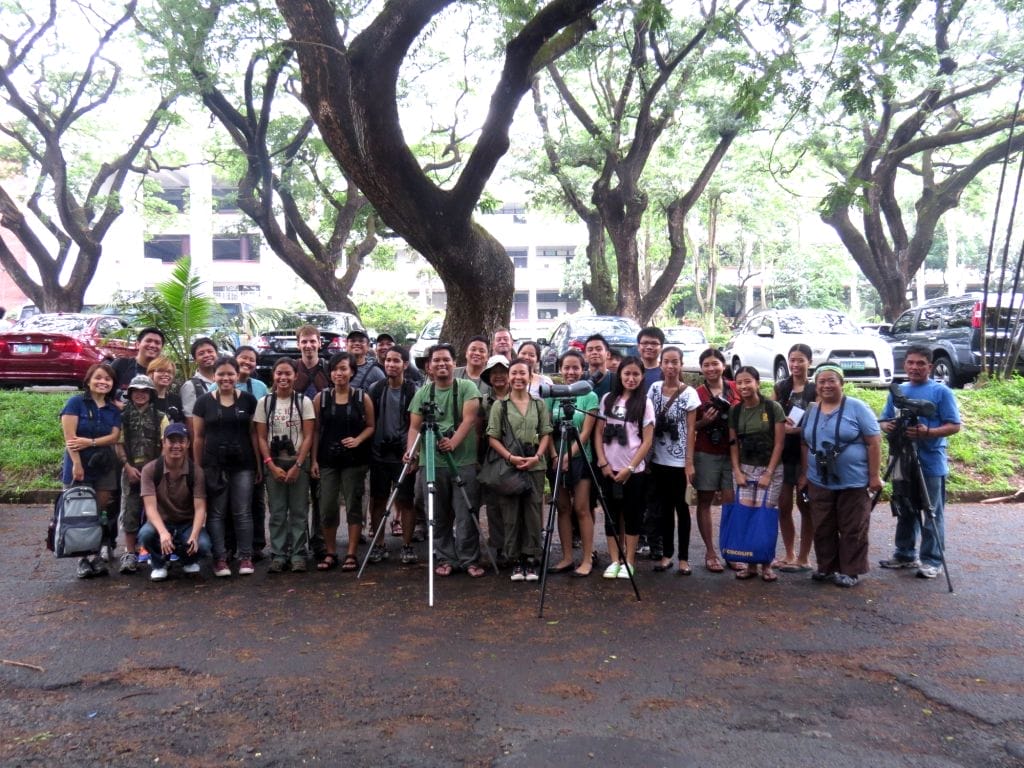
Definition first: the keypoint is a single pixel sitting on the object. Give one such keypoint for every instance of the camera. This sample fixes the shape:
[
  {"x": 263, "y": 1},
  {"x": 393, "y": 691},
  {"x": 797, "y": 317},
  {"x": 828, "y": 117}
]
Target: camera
[
  {"x": 910, "y": 410},
  {"x": 337, "y": 453},
  {"x": 720, "y": 404},
  {"x": 666, "y": 427},
  {"x": 281, "y": 444},
  {"x": 615, "y": 432},
  {"x": 447, "y": 433}
]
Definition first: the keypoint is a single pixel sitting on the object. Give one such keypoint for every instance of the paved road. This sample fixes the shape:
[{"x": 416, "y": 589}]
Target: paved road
[{"x": 705, "y": 671}]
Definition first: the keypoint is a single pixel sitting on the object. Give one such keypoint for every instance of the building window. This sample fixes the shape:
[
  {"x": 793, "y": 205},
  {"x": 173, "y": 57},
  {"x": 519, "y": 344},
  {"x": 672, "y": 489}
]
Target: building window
[
  {"x": 521, "y": 305},
  {"x": 166, "y": 248},
  {"x": 547, "y": 314},
  {"x": 558, "y": 251},
  {"x": 235, "y": 249},
  {"x": 225, "y": 200},
  {"x": 513, "y": 208},
  {"x": 518, "y": 256},
  {"x": 173, "y": 196},
  {"x": 549, "y": 297}
]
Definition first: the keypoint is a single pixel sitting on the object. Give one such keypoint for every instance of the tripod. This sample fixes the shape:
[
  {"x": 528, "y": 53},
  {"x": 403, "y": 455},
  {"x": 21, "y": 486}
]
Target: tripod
[
  {"x": 910, "y": 496},
  {"x": 568, "y": 435},
  {"x": 428, "y": 435}
]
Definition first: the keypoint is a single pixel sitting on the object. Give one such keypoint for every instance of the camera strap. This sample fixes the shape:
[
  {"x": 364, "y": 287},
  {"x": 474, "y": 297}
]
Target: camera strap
[
  {"x": 518, "y": 444},
  {"x": 839, "y": 420},
  {"x": 665, "y": 409},
  {"x": 456, "y": 411}
]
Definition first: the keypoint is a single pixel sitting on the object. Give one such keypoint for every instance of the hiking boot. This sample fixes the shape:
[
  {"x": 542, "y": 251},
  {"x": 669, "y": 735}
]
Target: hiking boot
[
  {"x": 84, "y": 569},
  {"x": 408, "y": 556},
  {"x": 378, "y": 553},
  {"x": 106, "y": 553},
  {"x": 895, "y": 562},
  {"x": 99, "y": 568},
  {"x": 842, "y": 580},
  {"x": 129, "y": 563}
]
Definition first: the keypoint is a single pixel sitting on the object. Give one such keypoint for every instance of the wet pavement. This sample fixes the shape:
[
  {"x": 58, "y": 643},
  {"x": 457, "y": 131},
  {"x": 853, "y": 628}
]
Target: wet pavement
[{"x": 706, "y": 671}]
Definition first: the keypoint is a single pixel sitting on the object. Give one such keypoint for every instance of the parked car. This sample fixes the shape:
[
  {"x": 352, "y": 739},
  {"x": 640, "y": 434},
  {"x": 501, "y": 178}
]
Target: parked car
[
  {"x": 951, "y": 328},
  {"x": 691, "y": 341},
  {"x": 428, "y": 336},
  {"x": 334, "y": 329},
  {"x": 765, "y": 339},
  {"x": 572, "y": 333},
  {"x": 58, "y": 348}
]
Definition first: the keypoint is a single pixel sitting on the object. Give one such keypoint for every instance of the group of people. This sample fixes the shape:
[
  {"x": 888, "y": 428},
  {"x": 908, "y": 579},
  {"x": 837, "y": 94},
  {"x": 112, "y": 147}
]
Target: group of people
[{"x": 209, "y": 467}]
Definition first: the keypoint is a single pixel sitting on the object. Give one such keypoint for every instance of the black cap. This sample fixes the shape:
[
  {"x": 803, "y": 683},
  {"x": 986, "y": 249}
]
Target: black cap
[
  {"x": 357, "y": 333},
  {"x": 382, "y": 336}
]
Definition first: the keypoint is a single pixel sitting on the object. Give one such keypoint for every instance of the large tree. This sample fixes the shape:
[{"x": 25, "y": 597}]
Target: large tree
[
  {"x": 607, "y": 112},
  {"x": 69, "y": 108},
  {"x": 351, "y": 89},
  {"x": 313, "y": 217},
  {"x": 920, "y": 104}
]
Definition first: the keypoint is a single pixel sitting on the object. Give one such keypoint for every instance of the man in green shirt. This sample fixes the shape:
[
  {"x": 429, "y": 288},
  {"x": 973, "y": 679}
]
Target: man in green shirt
[{"x": 457, "y": 403}]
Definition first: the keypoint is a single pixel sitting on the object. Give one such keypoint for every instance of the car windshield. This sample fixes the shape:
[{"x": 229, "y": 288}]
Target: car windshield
[
  {"x": 325, "y": 321},
  {"x": 684, "y": 336},
  {"x": 817, "y": 322},
  {"x": 52, "y": 324},
  {"x": 608, "y": 326},
  {"x": 433, "y": 329}
]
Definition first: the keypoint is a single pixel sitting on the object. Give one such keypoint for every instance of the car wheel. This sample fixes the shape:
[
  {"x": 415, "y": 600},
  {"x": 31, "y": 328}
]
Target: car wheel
[
  {"x": 942, "y": 370},
  {"x": 781, "y": 370}
]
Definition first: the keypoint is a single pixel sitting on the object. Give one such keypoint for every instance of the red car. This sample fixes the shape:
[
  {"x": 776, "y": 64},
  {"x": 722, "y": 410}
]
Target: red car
[{"x": 59, "y": 348}]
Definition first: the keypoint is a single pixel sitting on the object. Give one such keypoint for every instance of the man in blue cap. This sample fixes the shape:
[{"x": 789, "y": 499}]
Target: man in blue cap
[{"x": 173, "y": 492}]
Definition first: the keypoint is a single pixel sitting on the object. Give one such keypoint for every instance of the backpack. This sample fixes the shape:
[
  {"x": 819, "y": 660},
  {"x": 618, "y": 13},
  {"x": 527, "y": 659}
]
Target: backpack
[{"x": 77, "y": 525}]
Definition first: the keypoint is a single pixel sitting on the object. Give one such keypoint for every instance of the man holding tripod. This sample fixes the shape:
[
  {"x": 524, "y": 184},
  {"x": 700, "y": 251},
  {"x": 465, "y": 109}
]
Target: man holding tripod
[
  {"x": 929, "y": 435},
  {"x": 453, "y": 405}
]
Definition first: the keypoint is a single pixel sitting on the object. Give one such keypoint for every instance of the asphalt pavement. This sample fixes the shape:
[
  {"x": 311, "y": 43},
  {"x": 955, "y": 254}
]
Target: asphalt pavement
[{"x": 708, "y": 671}]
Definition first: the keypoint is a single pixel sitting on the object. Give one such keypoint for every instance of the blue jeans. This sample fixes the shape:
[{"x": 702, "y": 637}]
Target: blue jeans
[
  {"x": 149, "y": 537},
  {"x": 933, "y": 540},
  {"x": 234, "y": 499}
]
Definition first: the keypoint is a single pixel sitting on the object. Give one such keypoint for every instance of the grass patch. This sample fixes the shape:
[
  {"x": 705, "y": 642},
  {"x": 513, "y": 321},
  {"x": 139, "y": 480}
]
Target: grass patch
[{"x": 984, "y": 456}]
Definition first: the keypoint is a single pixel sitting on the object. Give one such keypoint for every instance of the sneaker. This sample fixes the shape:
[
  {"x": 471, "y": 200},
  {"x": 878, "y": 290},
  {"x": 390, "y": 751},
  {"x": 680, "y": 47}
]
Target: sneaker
[
  {"x": 245, "y": 568},
  {"x": 158, "y": 574},
  {"x": 612, "y": 571},
  {"x": 277, "y": 565},
  {"x": 106, "y": 554},
  {"x": 192, "y": 568},
  {"x": 643, "y": 549},
  {"x": 143, "y": 555},
  {"x": 419, "y": 533},
  {"x": 220, "y": 568},
  {"x": 299, "y": 566},
  {"x": 408, "y": 556},
  {"x": 129, "y": 563},
  {"x": 819, "y": 576},
  {"x": 929, "y": 571},
  {"x": 895, "y": 562},
  {"x": 531, "y": 572},
  {"x": 99, "y": 568},
  {"x": 518, "y": 574},
  {"x": 378, "y": 553},
  {"x": 842, "y": 580},
  {"x": 84, "y": 569},
  {"x": 625, "y": 571}
]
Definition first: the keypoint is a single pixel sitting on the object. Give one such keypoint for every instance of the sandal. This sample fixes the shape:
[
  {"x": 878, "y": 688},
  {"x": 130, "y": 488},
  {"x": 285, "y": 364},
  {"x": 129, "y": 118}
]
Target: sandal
[
  {"x": 769, "y": 575},
  {"x": 475, "y": 571},
  {"x": 713, "y": 564},
  {"x": 443, "y": 570},
  {"x": 350, "y": 563},
  {"x": 746, "y": 573},
  {"x": 329, "y": 563}
]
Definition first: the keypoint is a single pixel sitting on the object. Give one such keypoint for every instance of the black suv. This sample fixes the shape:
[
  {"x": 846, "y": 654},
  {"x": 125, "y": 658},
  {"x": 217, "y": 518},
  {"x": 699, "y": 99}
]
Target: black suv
[{"x": 951, "y": 328}]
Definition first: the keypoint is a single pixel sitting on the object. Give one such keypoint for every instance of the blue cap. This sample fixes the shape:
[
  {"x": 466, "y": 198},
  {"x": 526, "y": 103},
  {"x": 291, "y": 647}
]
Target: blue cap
[{"x": 174, "y": 430}]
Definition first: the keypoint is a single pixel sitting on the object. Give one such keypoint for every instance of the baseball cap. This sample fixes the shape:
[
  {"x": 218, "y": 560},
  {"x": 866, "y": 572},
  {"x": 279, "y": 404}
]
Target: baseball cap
[
  {"x": 387, "y": 336},
  {"x": 357, "y": 333},
  {"x": 175, "y": 430}
]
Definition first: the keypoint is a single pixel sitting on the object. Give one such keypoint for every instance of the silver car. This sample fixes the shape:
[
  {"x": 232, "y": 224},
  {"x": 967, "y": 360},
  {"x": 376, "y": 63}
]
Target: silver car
[{"x": 765, "y": 339}]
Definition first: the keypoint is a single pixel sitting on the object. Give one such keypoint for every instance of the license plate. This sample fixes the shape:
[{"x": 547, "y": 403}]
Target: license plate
[
  {"x": 852, "y": 365},
  {"x": 27, "y": 349}
]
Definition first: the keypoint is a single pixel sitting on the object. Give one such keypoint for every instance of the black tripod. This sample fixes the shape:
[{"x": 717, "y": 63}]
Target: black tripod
[
  {"x": 428, "y": 434},
  {"x": 568, "y": 435},
  {"x": 910, "y": 497}
]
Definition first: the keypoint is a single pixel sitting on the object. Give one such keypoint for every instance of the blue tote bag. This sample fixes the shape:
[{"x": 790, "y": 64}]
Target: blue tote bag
[{"x": 749, "y": 532}]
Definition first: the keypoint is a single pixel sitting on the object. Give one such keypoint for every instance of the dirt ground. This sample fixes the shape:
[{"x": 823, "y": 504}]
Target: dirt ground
[{"x": 704, "y": 671}]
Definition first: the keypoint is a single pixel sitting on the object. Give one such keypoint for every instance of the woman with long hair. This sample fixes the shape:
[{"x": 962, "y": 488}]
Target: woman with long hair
[
  {"x": 341, "y": 459},
  {"x": 284, "y": 431},
  {"x": 574, "y": 492},
  {"x": 91, "y": 424},
  {"x": 757, "y": 430},
  {"x": 530, "y": 352},
  {"x": 712, "y": 469},
  {"x": 624, "y": 440},
  {"x": 795, "y": 391},
  {"x": 224, "y": 445},
  {"x": 519, "y": 429},
  {"x": 675, "y": 414}
]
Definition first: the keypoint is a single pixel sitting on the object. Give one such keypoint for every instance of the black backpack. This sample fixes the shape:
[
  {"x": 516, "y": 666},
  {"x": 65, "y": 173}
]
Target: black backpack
[{"x": 77, "y": 525}]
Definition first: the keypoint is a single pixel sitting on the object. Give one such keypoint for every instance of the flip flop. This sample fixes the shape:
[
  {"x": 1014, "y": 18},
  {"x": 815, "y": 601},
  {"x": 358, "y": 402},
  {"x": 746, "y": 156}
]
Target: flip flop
[
  {"x": 746, "y": 573},
  {"x": 684, "y": 571},
  {"x": 769, "y": 575},
  {"x": 563, "y": 569},
  {"x": 713, "y": 564},
  {"x": 794, "y": 568}
]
